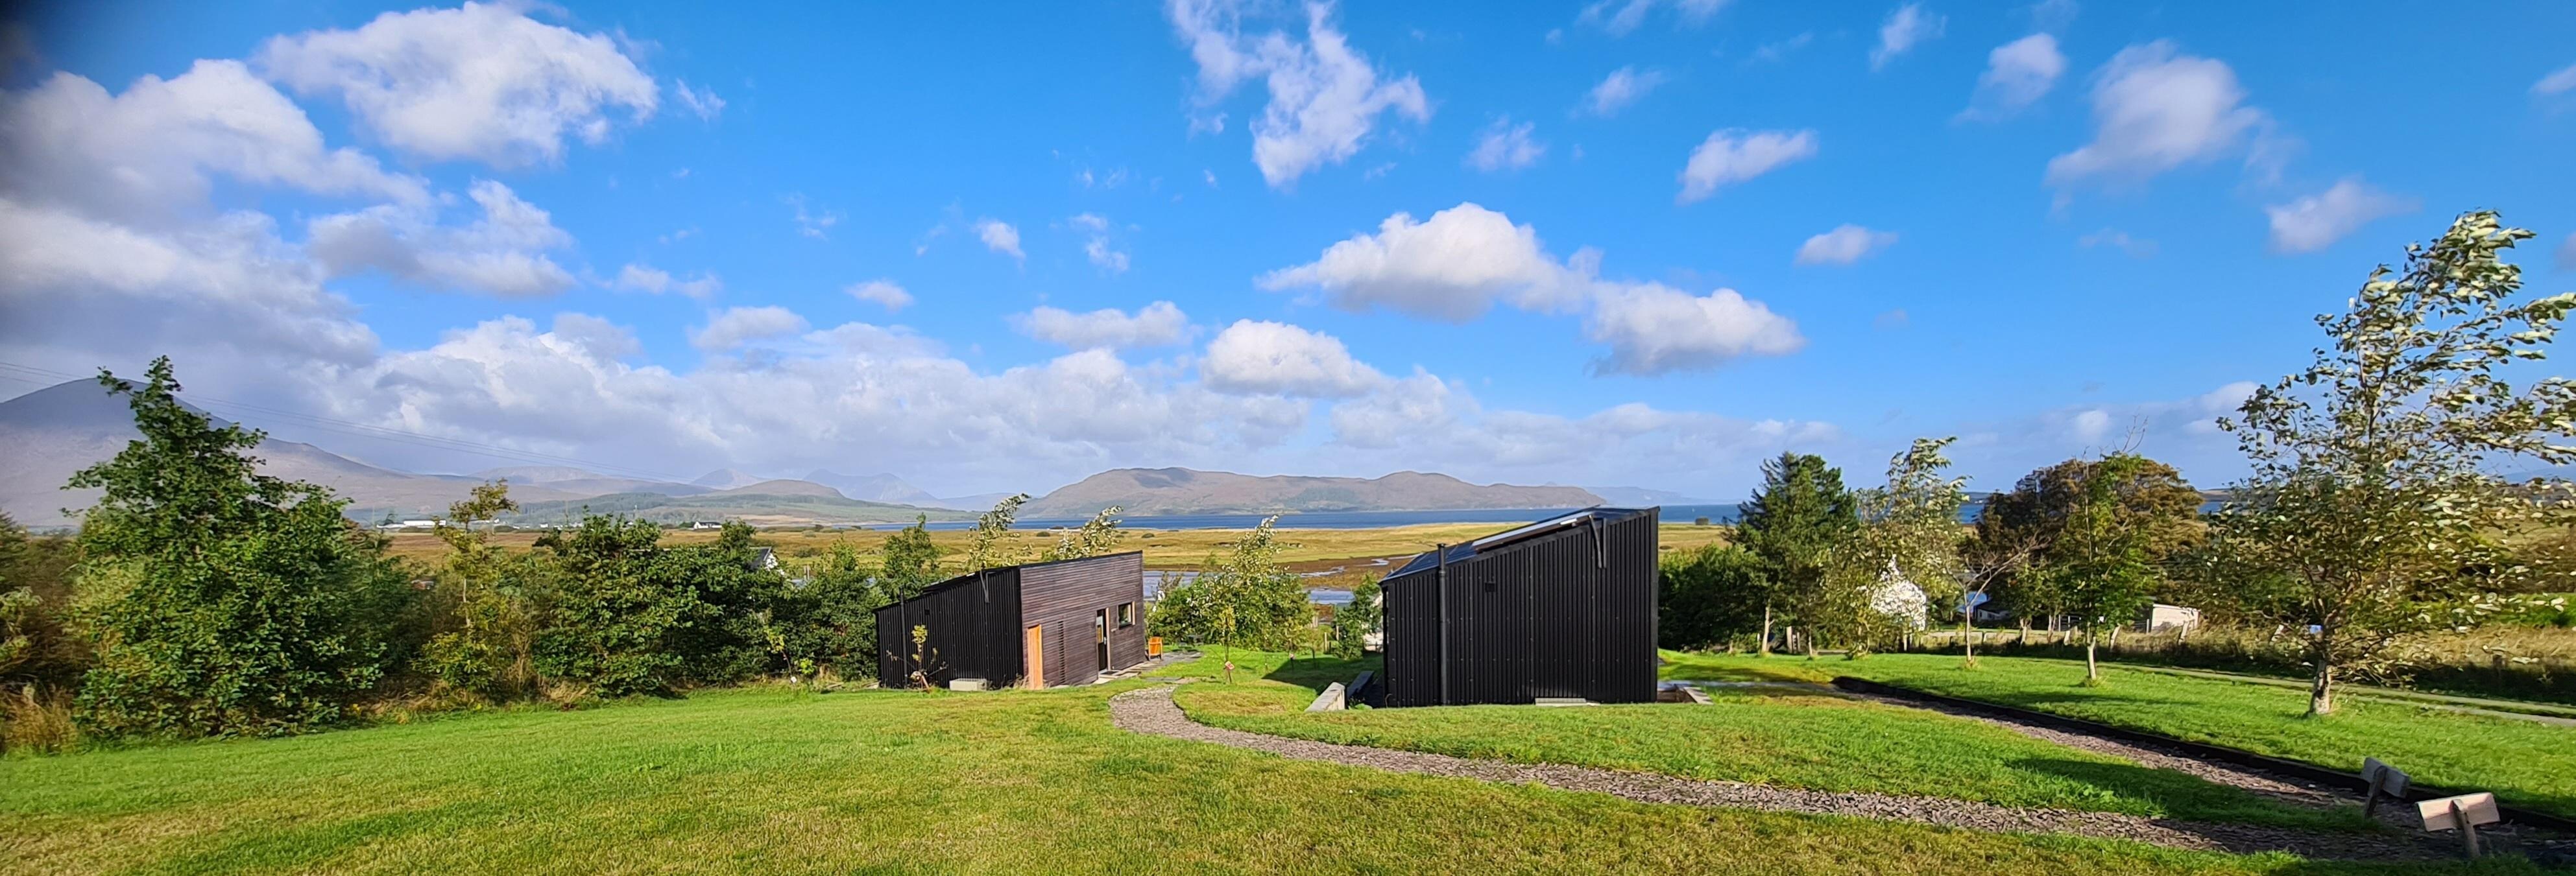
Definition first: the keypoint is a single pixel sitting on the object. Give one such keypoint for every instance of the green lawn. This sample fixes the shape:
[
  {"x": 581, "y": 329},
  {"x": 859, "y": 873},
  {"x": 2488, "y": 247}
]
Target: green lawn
[
  {"x": 1792, "y": 739},
  {"x": 905, "y": 782},
  {"x": 2523, "y": 762}
]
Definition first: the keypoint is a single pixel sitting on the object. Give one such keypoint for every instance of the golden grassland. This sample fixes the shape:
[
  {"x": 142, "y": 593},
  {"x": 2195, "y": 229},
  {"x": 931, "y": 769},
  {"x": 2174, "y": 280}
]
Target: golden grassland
[{"x": 1305, "y": 550}]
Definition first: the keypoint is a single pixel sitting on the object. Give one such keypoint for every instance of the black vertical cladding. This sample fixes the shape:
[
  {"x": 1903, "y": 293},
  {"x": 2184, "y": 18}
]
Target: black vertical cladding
[
  {"x": 1566, "y": 612},
  {"x": 974, "y": 625}
]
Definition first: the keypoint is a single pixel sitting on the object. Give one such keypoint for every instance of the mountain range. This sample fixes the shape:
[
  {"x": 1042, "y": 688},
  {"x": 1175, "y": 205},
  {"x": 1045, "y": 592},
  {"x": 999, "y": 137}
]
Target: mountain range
[{"x": 56, "y": 431}]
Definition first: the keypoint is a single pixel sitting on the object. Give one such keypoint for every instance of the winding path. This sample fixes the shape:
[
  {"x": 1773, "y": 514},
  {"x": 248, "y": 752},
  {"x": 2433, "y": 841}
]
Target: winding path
[{"x": 1151, "y": 711}]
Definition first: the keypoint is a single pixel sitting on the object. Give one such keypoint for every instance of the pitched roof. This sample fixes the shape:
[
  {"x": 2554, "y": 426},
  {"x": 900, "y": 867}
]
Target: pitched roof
[{"x": 1524, "y": 532}]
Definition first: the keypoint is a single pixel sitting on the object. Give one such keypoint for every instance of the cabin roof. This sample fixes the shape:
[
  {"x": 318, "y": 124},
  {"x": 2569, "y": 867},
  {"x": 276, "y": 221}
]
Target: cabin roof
[{"x": 1462, "y": 551}]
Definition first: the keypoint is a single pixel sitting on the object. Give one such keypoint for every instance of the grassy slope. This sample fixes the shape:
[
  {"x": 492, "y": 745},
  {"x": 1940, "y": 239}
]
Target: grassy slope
[
  {"x": 2522, "y": 762},
  {"x": 1791, "y": 739},
  {"x": 900, "y": 782}
]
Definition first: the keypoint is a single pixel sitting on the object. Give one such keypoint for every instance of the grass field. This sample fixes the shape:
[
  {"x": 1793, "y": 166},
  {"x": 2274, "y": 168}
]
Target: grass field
[
  {"x": 900, "y": 782},
  {"x": 2525, "y": 763},
  {"x": 1791, "y": 739},
  {"x": 1307, "y": 549}
]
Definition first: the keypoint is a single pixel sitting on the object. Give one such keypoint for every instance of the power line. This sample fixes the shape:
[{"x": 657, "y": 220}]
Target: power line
[{"x": 364, "y": 430}]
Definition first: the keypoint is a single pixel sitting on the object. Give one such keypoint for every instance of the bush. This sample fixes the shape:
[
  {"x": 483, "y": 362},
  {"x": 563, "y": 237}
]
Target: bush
[{"x": 1708, "y": 595}]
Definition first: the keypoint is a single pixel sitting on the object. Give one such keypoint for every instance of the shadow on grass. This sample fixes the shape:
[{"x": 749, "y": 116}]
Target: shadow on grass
[
  {"x": 1314, "y": 673},
  {"x": 2185, "y": 797}
]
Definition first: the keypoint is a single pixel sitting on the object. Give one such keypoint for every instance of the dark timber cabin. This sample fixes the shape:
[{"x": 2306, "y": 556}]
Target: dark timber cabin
[
  {"x": 1039, "y": 624},
  {"x": 1559, "y": 609}
]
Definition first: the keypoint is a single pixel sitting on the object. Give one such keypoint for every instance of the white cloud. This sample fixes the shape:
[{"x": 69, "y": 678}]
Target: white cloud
[
  {"x": 2091, "y": 425},
  {"x": 816, "y": 224},
  {"x": 2017, "y": 75},
  {"x": 2155, "y": 110},
  {"x": 2316, "y": 221},
  {"x": 2053, "y": 15},
  {"x": 1904, "y": 29},
  {"x": 1734, "y": 155},
  {"x": 482, "y": 81},
  {"x": 881, "y": 291},
  {"x": 1325, "y": 97},
  {"x": 2559, "y": 82},
  {"x": 149, "y": 154},
  {"x": 1000, "y": 237},
  {"x": 1451, "y": 267},
  {"x": 1774, "y": 52},
  {"x": 1622, "y": 17},
  {"x": 1843, "y": 245},
  {"x": 1654, "y": 329},
  {"x": 1152, "y": 325},
  {"x": 1275, "y": 358},
  {"x": 1618, "y": 90},
  {"x": 2120, "y": 240},
  {"x": 1505, "y": 146},
  {"x": 503, "y": 253},
  {"x": 702, "y": 101},
  {"x": 1096, "y": 246},
  {"x": 741, "y": 325},
  {"x": 646, "y": 278}
]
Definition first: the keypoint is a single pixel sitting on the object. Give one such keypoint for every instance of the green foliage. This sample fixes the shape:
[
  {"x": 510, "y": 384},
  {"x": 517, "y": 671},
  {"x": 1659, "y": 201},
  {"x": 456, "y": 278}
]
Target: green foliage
[
  {"x": 2368, "y": 515},
  {"x": 2101, "y": 565},
  {"x": 1354, "y": 623},
  {"x": 240, "y": 603},
  {"x": 2017, "y": 528},
  {"x": 1909, "y": 530},
  {"x": 487, "y": 604},
  {"x": 1707, "y": 596},
  {"x": 633, "y": 617},
  {"x": 1097, "y": 536},
  {"x": 985, "y": 548},
  {"x": 1243, "y": 598},
  {"x": 1791, "y": 524},
  {"x": 38, "y": 647},
  {"x": 831, "y": 618},
  {"x": 911, "y": 561}
]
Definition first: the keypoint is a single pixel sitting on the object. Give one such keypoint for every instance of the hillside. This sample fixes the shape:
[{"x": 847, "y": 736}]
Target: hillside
[
  {"x": 809, "y": 506},
  {"x": 1143, "y": 491},
  {"x": 880, "y": 487}
]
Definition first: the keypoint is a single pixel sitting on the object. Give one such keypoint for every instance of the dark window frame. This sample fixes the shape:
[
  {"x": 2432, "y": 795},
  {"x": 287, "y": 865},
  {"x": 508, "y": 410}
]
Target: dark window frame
[{"x": 1126, "y": 615}]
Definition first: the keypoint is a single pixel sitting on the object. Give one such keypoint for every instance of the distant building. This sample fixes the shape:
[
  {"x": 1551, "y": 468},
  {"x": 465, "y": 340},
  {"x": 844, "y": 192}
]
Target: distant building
[
  {"x": 706, "y": 524},
  {"x": 2159, "y": 617},
  {"x": 409, "y": 524},
  {"x": 1033, "y": 625},
  {"x": 1563, "y": 608}
]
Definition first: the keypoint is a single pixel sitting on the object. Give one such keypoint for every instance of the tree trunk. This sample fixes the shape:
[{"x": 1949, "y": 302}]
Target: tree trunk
[
  {"x": 2025, "y": 632},
  {"x": 2092, "y": 670},
  {"x": 2321, "y": 689},
  {"x": 1968, "y": 634},
  {"x": 1766, "y": 628}
]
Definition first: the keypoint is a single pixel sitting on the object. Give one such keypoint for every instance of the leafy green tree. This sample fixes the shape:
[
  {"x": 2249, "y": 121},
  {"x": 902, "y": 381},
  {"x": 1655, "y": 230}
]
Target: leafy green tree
[
  {"x": 488, "y": 596},
  {"x": 911, "y": 562},
  {"x": 831, "y": 619},
  {"x": 1790, "y": 524},
  {"x": 985, "y": 548},
  {"x": 1909, "y": 530},
  {"x": 38, "y": 648},
  {"x": 227, "y": 602},
  {"x": 1096, "y": 537},
  {"x": 614, "y": 615},
  {"x": 1707, "y": 595},
  {"x": 2009, "y": 554},
  {"x": 1354, "y": 623},
  {"x": 1244, "y": 597},
  {"x": 2102, "y": 561},
  {"x": 2368, "y": 516}
]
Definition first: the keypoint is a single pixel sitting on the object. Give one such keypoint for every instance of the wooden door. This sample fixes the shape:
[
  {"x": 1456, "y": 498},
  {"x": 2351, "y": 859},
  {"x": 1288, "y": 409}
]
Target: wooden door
[
  {"x": 1035, "y": 649},
  {"x": 1100, "y": 637}
]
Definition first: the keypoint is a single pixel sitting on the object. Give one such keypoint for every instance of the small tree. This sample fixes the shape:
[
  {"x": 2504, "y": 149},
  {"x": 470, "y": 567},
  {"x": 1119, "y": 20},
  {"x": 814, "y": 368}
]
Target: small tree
[
  {"x": 1354, "y": 623},
  {"x": 1790, "y": 524},
  {"x": 2015, "y": 532},
  {"x": 487, "y": 596},
  {"x": 925, "y": 659},
  {"x": 1097, "y": 536},
  {"x": 911, "y": 561},
  {"x": 1909, "y": 530},
  {"x": 1244, "y": 597},
  {"x": 2368, "y": 516},
  {"x": 2102, "y": 561},
  {"x": 1706, "y": 595},
  {"x": 985, "y": 548}
]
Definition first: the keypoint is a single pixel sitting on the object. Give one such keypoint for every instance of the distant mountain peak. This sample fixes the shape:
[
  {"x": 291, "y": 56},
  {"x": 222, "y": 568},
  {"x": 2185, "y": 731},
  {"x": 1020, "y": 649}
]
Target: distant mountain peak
[{"x": 726, "y": 479}]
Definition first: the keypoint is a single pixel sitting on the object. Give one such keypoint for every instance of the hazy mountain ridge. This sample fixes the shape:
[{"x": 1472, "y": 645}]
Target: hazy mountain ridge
[{"x": 1145, "y": 492}]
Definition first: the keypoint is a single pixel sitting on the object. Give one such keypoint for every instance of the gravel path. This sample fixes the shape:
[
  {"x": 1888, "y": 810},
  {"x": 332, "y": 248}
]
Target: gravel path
[{"x": 1152, "y": 711}]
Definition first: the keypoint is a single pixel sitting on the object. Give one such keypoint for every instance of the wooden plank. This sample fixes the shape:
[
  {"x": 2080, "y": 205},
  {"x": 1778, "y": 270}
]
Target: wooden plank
[
  {"x": 1036, "y": 650},
  {"x": 2478, "y": 808}
]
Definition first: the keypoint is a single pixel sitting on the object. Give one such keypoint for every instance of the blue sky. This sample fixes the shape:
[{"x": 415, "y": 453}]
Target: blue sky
[{"x": 1647, "y": 244}]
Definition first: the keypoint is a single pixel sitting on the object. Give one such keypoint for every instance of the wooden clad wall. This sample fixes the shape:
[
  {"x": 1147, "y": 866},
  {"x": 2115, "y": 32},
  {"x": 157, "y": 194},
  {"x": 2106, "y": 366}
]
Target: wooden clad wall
[{"x": 1065, "y": 596}]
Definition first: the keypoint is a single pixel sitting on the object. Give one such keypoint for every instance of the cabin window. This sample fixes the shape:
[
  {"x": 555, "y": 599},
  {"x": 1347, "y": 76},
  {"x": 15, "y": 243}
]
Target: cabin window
[{"x": 1126, "y": 614}]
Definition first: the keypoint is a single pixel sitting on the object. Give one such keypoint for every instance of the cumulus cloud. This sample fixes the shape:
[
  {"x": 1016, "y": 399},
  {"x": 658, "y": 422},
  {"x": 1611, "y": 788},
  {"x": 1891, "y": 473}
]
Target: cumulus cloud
[
  {"x": 1733, "y": 155},
  {"x": 1451, "y": 267},
  {"x": 637, "y": 277},
  {"x": 503, "y": 253},
  {"x": 2156, "y": 109},
  {"x": 150, "y": 154},
  {"x": 2316, "y": 221},
  {"x": 1654, "y": 329},
  {"x": 482, "y": 82},
  {"x": 1618, "y": 90},
  {"x": 1325, "y": 97},
  {"x": 1158, "y": 324},
  {"x": 741, "y": 325},
  {"x": 2017, "y": 75},
  {"x": 1843, "y": 245},
  {"x": 1000, "y": 237},
  {"x": 1505, "y": 146},
  {"x": 701, "y": 101},
  {"x": 1622, "y": 17},
  {"x": 881, "y": 291},
  {"x": 1275, "y": 358},
  {"x": 1904, "y": 29}
]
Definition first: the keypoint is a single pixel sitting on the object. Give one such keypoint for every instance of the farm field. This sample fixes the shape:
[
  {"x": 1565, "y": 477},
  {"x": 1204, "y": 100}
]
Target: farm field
[
  {"x": 2523, "y": 762},
  {"x": 1305, "y": 549},
  {"x": 769, "y": 779},
  {"x": 1792, "y": 739}
]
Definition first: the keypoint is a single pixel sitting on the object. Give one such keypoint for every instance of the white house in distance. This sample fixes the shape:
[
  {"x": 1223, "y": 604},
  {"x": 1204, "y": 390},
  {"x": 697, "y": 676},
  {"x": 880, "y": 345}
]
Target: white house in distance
[{"x": 2159, "y": 617}]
